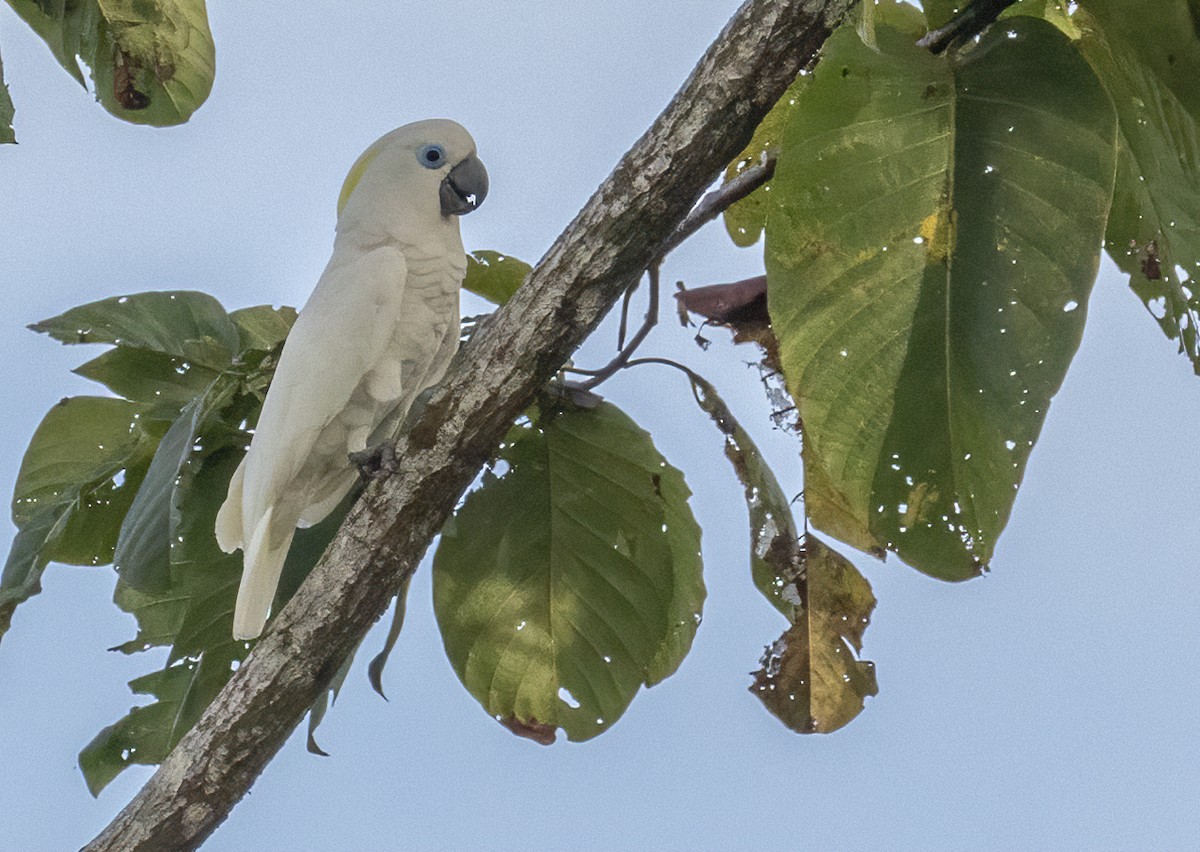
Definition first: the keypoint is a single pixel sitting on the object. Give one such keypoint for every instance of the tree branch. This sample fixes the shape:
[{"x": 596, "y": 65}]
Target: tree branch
[{"x": 619, "y": 232}]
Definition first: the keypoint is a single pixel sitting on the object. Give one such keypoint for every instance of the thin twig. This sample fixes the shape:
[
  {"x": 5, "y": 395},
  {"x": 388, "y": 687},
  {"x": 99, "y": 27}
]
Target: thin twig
[
  {"x": 964, "y": 26},
  {"x": 625, "y": 314},
  {"x": 651, "y": 320},
  {"x": 719, "y": 200},
  {"x": 709, "y": 207}
]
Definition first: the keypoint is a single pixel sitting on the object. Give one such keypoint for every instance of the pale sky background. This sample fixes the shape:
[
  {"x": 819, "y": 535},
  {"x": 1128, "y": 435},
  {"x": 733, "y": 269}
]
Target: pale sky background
[{"x": 1050, "y": 705}]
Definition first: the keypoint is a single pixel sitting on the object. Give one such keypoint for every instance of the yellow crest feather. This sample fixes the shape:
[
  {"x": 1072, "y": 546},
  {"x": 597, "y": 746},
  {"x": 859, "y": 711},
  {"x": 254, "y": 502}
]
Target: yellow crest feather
[{"x": 355, "y": 175}]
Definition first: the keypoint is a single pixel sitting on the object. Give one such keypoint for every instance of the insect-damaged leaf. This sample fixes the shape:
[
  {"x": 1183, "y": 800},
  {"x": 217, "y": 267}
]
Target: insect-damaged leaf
[
  {"x": 79, "y": 474},
  {"x": 773, "y": 533},
  {"x": 929, "y": 261},
  {"x": 189, "y": 325},
  {"x": 744, "y": 220},
  {"x": 812, "y": 679},
  {"x": 152, "y": 61},
  {"x": 573, "y": 578},
  {"x": 1149, "y": 60}
]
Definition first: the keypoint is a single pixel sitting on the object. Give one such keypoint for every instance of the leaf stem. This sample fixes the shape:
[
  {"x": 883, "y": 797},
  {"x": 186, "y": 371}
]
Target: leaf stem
[{"x": 964, "y": 26}]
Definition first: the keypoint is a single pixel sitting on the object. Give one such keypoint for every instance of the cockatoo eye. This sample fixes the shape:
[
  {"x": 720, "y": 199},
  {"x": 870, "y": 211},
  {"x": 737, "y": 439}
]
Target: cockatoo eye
[{"x": 432, "y": 156}]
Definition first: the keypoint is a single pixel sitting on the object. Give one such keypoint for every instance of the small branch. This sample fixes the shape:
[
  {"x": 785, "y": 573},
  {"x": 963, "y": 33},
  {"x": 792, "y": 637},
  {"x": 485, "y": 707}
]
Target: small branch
[
  {"x": 651, "y": 320},
  {"x": 964, "y": 26},
  {"x": 625, "y": 315},
  {"x": 719, "y": 200}
]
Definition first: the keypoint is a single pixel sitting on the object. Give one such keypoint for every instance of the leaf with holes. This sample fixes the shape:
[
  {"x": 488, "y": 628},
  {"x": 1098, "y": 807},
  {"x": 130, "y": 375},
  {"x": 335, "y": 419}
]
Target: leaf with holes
[
  {"x": 79, "y": 473},
  {"x": 182, "y": 323},
  {"x": 744, "y": 220},
  {"x": 1149, "y": 62},
  {"x": 773, "y": 533},
  {"x": 152, "y": 61},
  {"x": 811, "y": 678},
  {"x": 572, "y": 579},
  {"x": 929, "y": 265}
]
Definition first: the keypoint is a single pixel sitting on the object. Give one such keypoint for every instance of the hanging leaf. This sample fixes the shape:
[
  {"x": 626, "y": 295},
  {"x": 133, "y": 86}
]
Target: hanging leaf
[
  {"x": 811, "y": 678},
  {"x": 152, "y": 61},
  {"x": 379, "y": 661},
  {"x": 82, "y": 466},
  {"x": 773, "y": 534},
  {"x": 494, "y": 276},
  {"x": 149, "y": 534},
  {"x": 929, "y": 265},
  {"x": 1149, "y": 61},
  {"x": 568, "y": 581}
]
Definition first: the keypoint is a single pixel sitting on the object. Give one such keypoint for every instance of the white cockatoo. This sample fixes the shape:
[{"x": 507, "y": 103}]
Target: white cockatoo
[{"x": 380, "y": 327}]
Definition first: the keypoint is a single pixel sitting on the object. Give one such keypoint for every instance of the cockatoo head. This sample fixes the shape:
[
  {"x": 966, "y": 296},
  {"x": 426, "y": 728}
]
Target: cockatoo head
[{"x": 428, "y": 169}]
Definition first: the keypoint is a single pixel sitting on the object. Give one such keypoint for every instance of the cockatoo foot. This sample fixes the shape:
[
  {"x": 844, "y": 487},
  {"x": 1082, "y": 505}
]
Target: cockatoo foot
[{"x": 376, "y": 461}]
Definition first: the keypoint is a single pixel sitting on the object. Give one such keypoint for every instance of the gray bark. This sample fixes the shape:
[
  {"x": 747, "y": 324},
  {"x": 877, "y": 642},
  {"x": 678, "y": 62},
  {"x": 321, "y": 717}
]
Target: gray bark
[{"x": 606, "y": 248}]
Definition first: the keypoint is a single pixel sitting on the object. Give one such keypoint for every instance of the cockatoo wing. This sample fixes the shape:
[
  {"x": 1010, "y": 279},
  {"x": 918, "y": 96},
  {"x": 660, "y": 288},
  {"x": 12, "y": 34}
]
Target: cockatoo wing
[{"x": 318, "y": 396}]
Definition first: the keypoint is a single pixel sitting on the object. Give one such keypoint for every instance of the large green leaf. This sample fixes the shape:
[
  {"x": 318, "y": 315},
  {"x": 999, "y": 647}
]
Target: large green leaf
[
  {"x": 80, "y": 471},
  {"x": 152, "y": 61},
  {"x": 558, "y": 583},
  {"x": 812, "y": 679},
  {"x": 1150, "y": 62},
  {"x": 929, "y": 260},
  {"x": 189, "y": 325},
  {"x": 6, "y": 111}
]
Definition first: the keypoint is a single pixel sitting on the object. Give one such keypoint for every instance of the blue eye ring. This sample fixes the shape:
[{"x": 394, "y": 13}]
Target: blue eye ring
[{"x": 431, "y": 156}]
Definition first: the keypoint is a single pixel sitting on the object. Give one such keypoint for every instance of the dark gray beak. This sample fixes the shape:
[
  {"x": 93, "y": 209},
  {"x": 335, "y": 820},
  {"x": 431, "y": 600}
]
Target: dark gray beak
[{"x": 464, "y": 188}]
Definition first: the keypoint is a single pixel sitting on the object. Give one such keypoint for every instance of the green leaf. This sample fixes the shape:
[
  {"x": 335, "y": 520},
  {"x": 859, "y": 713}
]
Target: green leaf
[
  {"x": 194, "y": 615},
  {"x": 183, "y": 323},
  {"x": 494, "y": 276},
  {"x": 167, "y": 382},
  {"x": 1149, "y": 62},
  {"x": 263, "y": 327},
  {"x": 152, "y": 61},
  {"x": 773, "y": 534},
  {"x": 811, "y": 678},
  {"x": 149, "y": 535},
  {"x": 745, "y": 219},
  {"x": 327, "y": 698},
  {"x": 379, "y": 661},
  {"x": 557, "y": 587},
  {"x": 6, "y": 111},
  {"x": 148, "y": 733},
  {"x": 929, "y": 264},
  {"x": 81, "y": 468}
]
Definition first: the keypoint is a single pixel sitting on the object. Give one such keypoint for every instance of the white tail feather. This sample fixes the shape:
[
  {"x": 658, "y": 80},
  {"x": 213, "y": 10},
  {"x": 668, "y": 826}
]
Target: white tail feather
[
  {"x": 263, "y": 563},
  {"x": 229, "y": 518}
]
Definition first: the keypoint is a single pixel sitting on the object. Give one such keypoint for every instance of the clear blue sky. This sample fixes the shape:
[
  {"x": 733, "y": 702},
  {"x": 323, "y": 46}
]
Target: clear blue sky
[{"x": 1050, "y": 705}]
